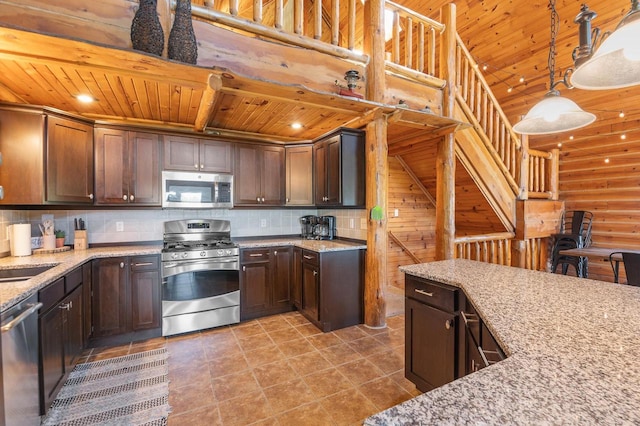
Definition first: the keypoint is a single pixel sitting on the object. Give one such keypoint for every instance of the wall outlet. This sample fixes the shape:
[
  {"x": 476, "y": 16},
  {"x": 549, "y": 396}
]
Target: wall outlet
[
  {"x": 396, "y": 213},
  {"x": 352, "y": 223},
  {"x": 119, "y": 226},
  {"x": 263, "y": 223},
  {"x": 363, "y": 223}
]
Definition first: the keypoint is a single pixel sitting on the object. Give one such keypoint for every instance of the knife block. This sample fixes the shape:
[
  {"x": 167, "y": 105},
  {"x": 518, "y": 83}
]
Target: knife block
[{"x": 80, "y": 240}]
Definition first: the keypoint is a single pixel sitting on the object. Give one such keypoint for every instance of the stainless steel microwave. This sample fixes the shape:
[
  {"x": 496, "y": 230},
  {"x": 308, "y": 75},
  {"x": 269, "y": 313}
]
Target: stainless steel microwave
[{"x": 189, "y": 190}]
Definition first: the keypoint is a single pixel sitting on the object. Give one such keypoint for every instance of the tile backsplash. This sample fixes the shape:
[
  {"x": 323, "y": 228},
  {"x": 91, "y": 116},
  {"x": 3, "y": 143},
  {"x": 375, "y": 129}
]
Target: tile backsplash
[{"x": 146, "y": 225}]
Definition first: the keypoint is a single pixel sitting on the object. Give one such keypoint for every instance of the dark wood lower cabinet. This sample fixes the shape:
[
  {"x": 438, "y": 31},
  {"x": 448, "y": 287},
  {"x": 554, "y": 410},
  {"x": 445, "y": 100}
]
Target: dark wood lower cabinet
[
  {"x": 126, "y": 302},
  {"x": 444, "y": 337},
  {"x": 61, "y": 333},
  {"x": 332, "y": 288},
  {"x": 265, "y": 281}
]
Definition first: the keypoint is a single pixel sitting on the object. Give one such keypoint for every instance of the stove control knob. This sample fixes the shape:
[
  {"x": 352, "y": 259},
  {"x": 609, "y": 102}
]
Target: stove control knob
[
  {"x": 228, "y": 252},
  {"x": 203, "y": 254},
  {"x": 184, "y": 255},
  {"x": 220, "y": 252},
  {"x": 174, "y": 256}
]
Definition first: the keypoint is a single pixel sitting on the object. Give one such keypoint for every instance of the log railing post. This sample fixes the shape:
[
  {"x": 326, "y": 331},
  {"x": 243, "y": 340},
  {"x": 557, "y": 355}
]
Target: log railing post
[
  {"x": 446, "y": 161},
  {"x": 377, "y": 169},
  {"x": 554, "y": 173},
  {"x": 524, "y": 168}
]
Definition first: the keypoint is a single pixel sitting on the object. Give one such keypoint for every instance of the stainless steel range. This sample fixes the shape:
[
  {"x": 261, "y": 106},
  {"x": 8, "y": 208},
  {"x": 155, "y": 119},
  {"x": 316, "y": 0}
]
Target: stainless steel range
[{"x": 200, "y": 276}]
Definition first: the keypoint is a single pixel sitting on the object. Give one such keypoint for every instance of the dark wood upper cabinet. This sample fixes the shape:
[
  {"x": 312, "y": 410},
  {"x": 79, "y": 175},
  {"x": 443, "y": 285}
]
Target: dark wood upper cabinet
[
  {"x": 69, "y": 161},
  {"x": 259, "y": 175},
  {"x": 339, "y": 169},
  {"x": 22, "y": 148},
  {"x": 46, "y": 158},
  {"x": 299, "y": 175},
  {"x": 192, "y": 155},
  {"x": 127, "y": 167}
]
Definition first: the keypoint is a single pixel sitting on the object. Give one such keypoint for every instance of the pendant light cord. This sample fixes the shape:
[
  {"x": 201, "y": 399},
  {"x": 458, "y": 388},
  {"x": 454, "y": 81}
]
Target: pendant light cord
[{"x": 555, "y": 23}]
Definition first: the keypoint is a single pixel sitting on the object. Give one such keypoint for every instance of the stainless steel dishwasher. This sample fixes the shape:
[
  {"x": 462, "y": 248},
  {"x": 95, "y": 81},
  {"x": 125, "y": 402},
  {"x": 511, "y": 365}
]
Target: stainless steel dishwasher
[{"x": 19, "y": 325}]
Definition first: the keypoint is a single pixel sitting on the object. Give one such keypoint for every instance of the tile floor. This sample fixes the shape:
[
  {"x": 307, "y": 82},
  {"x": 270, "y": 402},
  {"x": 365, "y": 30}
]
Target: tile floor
[{"x": 281, "y": 370}]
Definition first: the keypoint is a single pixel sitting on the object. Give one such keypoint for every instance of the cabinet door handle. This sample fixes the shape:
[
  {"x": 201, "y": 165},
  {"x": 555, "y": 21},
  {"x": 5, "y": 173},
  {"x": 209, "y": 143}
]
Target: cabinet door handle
[
  {"x": 425, "y": 293},
  {"x": 66, "y": 306},
  {"x": 143, "y": 264},
  {"x": 315, "y": 273},
  {"x": 255, "y": 255},
  {"x": 307, "y": 257},
  {"x": 121, "y": 265},
  {"x": 448, "y": 324},
  {"x": 262, "y": 200},
  {"x": 201, "y": 166},
  {"x": 195, "y": 166},
  {"x": 124, "y": 197},
  {"x": 91, "y": 196},
  {"x": 131, "y": 197},
  {"x": 258, "y": 199},
  {"x": 244, "y": 269},
  {"x": 286, "y": 200},
  {"x": 469, "y": 318},
  {"x": 275, "y": 253}
]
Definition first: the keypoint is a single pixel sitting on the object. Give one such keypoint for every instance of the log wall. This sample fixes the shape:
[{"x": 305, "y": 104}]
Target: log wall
[
  {"x": 414, "y": 226},
  {"x": 600, "y": 172}
]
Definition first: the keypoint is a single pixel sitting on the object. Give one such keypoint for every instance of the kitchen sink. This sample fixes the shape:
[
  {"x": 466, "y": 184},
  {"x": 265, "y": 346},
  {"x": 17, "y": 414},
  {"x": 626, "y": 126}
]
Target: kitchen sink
[{"x": 21, "y": 274}]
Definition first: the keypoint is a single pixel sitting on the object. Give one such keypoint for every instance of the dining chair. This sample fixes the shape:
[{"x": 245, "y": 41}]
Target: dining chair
[
  {"x": 565, "y": 242},
  {"x": 631, "y": 263},
  {"x": 575, "y": 232}
]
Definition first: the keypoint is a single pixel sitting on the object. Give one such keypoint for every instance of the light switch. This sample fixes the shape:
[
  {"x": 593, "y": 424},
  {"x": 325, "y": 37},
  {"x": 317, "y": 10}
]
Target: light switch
[
  {"x": 396, "y": 213},
  {"x": 119, "y": 226},
  {"x": 263, "y": 223}
]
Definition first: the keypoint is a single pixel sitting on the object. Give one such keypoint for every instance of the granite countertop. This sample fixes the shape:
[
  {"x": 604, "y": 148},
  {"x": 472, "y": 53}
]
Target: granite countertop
[
  {"x": 64, "y": 262},
  {"x": 314, "y": 245},
  {"x": 572, "y": 344}
]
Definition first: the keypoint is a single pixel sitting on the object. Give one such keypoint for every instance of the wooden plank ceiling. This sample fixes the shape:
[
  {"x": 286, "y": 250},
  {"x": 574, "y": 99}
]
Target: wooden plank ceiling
[{"x": 512, "y": 39}]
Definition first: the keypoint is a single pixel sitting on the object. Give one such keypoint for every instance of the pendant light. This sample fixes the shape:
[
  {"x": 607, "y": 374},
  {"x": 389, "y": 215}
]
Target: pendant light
[
  {"x": 616, "y": 63},
  {"x": 553, "y": 114}
]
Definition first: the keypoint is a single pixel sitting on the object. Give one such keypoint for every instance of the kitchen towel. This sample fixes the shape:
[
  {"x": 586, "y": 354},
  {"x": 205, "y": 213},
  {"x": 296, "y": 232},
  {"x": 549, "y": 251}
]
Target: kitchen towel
[{"x": 20, "y": 239}]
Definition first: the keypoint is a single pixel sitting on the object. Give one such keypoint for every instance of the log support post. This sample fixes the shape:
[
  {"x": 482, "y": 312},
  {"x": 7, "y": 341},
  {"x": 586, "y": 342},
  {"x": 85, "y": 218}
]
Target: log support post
[
  {"x": 446, "y": 160},
  {"x": 524, "y": 167},
  {"x": 377, "y": 170}
]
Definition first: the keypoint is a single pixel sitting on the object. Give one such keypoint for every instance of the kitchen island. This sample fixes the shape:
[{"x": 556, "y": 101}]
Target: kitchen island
[{"x": 572, "y": 344}]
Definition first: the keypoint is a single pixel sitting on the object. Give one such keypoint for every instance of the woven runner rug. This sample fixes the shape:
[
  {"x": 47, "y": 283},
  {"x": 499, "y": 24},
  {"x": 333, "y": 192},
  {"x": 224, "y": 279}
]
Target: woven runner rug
[{"x": 127, "y": 390}]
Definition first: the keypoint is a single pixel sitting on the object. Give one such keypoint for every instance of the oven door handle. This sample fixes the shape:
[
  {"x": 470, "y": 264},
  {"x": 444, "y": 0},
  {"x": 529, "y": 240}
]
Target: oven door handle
[{"x": 220, "y": 264}]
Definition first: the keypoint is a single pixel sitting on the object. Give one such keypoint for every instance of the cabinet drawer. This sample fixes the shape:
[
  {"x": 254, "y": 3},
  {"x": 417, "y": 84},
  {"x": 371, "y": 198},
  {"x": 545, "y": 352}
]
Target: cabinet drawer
[
  {"x": 51, "y": 294},
  {"x": 311, "y": 257},
  {"x": 438, "y": 295},
  {"x": 254, "y": 255},
  {"x": 145, "y": 263},
  {"x": 72, "y": 280}
]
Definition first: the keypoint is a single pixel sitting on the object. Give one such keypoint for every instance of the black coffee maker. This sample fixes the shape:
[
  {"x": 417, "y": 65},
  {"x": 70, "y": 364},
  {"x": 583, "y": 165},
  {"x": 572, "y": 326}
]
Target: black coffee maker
[
  {"x": 326, "y": 228},
  {"x": 308, "y": 224}
]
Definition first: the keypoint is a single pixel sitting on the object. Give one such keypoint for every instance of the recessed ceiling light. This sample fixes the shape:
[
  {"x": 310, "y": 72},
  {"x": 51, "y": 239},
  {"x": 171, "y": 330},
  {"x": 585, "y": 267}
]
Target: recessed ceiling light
[
  {"x": 571, "y": 137},
  {"x": 606, "y": 160},
  {"x": 296, "y": 125},
  {"x": 86, "y": 99},
  {"x": 623, "y": 136}
]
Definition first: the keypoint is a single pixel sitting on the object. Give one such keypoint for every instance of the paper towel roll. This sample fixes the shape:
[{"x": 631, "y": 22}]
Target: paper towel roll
[{"x": 20, "y": 239}]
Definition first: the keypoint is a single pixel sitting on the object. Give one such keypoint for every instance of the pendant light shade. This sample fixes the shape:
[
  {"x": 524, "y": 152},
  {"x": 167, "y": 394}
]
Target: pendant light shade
[
  {"x": 616, "y": 63},
  {"x": 553, "y": 114}
]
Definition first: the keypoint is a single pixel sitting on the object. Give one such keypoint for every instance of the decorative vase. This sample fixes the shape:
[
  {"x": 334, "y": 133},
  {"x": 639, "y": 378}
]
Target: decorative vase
[
  {"x": 182, "y": 39},
  {"x": 146, "y": 31}
]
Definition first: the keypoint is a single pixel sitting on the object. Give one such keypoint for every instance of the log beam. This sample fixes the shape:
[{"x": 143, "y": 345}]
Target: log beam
[
  {"x": 377, "y": 169},
  {"x": 208, "y": 102},
  {"x": 446, "y": 161}
]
